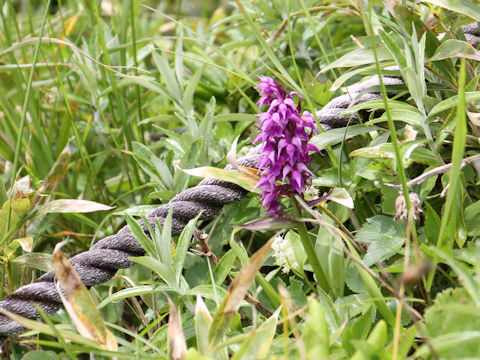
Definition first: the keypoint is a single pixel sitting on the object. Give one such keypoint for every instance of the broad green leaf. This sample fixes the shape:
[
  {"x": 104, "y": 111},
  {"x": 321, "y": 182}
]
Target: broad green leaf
[
  {"x": 469, "y": 281},
  {"x": 432, "y": 224},
  {"x": 330, "y": 254},
  {"x": 453, "y": 315},
  {"x": 376, "y": 339},
  {"x": 193, "y": 354},
  {"x": 342, "y": 197},
  {"x": 357, "y": 329},
  {"x": 385, "y": 237},
  {"x": 453, "y": 343}
]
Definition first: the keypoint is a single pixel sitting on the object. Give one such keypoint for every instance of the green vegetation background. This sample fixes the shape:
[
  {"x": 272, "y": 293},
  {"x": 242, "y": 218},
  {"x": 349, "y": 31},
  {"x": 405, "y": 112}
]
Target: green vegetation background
[{"x": 107, "y": 100}]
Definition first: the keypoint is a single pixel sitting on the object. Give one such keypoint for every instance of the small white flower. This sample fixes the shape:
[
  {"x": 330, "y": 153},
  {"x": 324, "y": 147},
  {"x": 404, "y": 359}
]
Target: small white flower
[{"x": 284, "y": 254}]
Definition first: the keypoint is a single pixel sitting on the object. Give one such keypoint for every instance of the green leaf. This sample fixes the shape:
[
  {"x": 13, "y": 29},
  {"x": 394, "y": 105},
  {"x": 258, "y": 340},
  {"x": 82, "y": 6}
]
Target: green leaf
[
  {"x": 315, "y": 333},
  {"x": 237, "y": 291},
  {"x": 168, "y": 77},
  {"x": 432, "y": 224},
  {"x": 384, "y": 236},
  {"x": 11, "y": 215},
  {"x": 257, "y": 343},
  {"x": 455, "y": 187},
  {"x": 469, "y": 281},
  {"x": 203, "y": 322},
  {"x": 453, "y": 48},
  {"x": 71, "y": 206},
  {"x": 269, "y": 224},
  {"x": 224, "y": 267},
  {"x": 359, "y": 57},
  {"x": 141, "y": 237},
  {"x": 452, "y": 318},
  {"x": 39, "y": 355},
  {"x": 134, "y": 291},
  {"x": 410, "y": 151},
  {"x": 39, "y": 261},
  {"x": 465, "y": 7},
  {"x": 157, "y": 169},
  {"x": 183, "y": 244},
  {"x": 247, "y": 181},
  {"x": 453, "y": 101},
  {"x": 330, "y": 255},
  {"x": 336, "y": 136},
  {"x": 472, "y": 215},
  {"x": 162, "y": 270}
]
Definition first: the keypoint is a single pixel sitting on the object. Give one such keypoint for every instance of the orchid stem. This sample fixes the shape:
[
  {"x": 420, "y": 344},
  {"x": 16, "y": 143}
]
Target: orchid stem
[{"x": 310, "y": 250}]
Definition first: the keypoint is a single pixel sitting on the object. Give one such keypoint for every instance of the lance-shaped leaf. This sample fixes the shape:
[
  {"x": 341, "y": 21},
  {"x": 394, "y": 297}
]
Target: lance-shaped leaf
[
  {"x": 269, "y": 224},
  {"x": 258, "y": 342},
  {"x": 11, "y": 216},
  {"x": 176, "y": 339},
  {"x": 80, "y": 305},
  {"x": 71, "y": 206},
  {"x": 203, "y": 322},
  {"x": 57, "y": 172},
  {"x": 247, "y": 179},
  {"x": 236, "y": 293},
  {"x": 25, "y": 243},
  {"x": 46, "y": 329},
  {"x": 39, "y": 261},
  {"x": 342, "y": 197}
]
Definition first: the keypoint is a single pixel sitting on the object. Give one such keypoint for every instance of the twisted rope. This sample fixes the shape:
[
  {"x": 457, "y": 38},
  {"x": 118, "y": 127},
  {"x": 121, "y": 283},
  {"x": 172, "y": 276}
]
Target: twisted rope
[{"x": 105, "y": 258}]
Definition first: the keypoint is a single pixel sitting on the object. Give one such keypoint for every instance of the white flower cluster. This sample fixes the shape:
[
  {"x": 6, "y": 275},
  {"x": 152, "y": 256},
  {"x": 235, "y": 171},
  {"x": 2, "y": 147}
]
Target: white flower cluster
[{"x": 284, "y": 254}]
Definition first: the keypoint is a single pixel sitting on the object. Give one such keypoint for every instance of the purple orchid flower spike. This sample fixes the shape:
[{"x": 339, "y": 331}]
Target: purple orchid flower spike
[{"x": 284, "y": 135}]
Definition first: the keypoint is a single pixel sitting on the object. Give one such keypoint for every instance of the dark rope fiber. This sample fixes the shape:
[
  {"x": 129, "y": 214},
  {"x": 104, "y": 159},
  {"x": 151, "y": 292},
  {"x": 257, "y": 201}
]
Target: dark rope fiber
[{"x": 101, "y": 262}]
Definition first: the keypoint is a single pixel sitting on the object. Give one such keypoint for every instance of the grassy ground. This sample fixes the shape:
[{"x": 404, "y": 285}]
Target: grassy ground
[{"x": 106, "y": 100}]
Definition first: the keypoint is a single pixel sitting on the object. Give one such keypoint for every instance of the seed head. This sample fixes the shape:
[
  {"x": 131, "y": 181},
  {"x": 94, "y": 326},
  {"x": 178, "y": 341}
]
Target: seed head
[{"x": 401, "y": 206}]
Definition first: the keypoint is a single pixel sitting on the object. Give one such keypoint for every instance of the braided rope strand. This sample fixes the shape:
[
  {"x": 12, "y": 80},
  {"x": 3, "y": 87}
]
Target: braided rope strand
[{"x": 105, "y": 258}]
